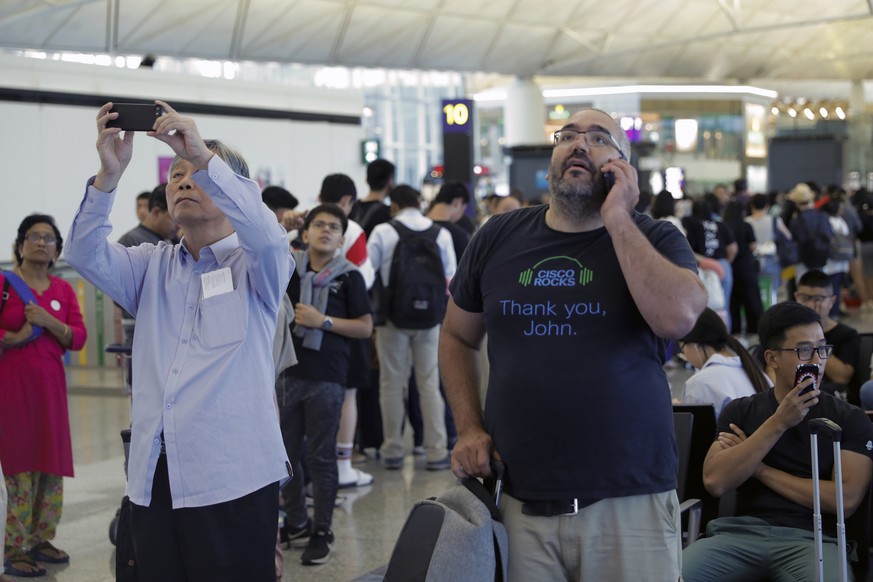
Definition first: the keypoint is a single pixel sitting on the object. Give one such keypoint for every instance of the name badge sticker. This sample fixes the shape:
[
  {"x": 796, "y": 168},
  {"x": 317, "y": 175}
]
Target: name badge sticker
[{"x": 216, "y": 282}]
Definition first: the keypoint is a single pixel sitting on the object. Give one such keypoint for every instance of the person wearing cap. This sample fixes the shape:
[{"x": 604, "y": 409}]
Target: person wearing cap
[
  {"x": 810, "y": 228},
  {"x": 725, "y": 370}
]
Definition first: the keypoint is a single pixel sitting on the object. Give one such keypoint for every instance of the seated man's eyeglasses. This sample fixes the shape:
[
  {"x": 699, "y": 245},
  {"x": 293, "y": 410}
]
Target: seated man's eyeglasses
[
  {"x": 804, "y": 298},
  {"x": 35, "y": 237},
  {"x": 595, "y": 138},
  {"x": 804, "y": 353}
]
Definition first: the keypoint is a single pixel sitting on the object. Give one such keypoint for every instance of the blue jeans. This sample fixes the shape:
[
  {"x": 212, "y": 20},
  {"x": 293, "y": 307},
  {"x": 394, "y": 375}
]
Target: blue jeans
[{"x": 310, "y": 409}]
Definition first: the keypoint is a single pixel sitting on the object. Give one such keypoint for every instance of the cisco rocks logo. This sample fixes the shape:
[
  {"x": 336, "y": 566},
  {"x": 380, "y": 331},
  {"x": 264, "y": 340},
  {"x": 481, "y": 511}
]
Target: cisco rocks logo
[{"x": 560, "y": 271}]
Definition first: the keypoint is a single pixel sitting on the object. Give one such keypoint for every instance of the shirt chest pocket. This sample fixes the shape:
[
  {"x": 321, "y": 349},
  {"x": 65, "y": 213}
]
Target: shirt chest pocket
[{"x": 223, "y": 319}]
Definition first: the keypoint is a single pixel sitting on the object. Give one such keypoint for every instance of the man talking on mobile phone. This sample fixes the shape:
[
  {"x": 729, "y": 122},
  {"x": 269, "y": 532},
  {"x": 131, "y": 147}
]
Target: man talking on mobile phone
[
  {"x": 575, "y": 298},
  {"x": 206, "y": 454}
]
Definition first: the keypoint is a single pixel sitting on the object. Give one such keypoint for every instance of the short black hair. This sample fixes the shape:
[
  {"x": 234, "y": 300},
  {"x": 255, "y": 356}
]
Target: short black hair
[
  {"x": 143, "y": 195},
  {"x": 740, "y": 185},
  {"x": 780, "y": 318},
  {"x": 331, "y": 209},
  {"x": 158, "y": 198},
  {"x": 815, "y": 278},
  {"x": 379, "y": 172},
  {"x": 277, "y": 197},
  {"x": 664, "y": 205},
  {"x": 760, "y": 201},
  {"x": 335, "y": 186},
  {"x": 27, "y": 223},
  {"x": 451, "y": 191},
  {"x": 405, "y": 196}
]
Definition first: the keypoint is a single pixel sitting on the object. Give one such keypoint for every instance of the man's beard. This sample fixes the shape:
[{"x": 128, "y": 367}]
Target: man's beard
[{"x": 577, "y": 200}]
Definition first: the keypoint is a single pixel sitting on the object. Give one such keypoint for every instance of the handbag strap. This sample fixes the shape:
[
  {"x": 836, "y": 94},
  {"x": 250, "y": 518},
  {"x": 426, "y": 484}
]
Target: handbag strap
[
  {"x": 26, "y": 296},
  {"x": 5, "y": 294}
]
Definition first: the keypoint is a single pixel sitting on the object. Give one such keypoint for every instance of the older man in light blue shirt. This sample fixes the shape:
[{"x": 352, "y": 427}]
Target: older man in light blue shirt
[{"x": 206, "y": 446}]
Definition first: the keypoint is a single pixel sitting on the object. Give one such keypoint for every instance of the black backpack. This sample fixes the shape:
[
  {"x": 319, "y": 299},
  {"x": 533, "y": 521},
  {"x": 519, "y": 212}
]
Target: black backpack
[
  {"x": 416, "y": 294},
  {"x": 814, "y": 244}
]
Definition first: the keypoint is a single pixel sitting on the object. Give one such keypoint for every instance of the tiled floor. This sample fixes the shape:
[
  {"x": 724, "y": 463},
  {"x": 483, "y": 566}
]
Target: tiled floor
[{"x": 366, "y": 524}]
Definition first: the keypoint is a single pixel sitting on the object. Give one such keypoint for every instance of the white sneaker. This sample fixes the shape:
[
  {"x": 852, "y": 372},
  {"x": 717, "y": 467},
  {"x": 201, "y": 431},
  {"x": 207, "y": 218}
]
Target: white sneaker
[{"x": 355, "y": 478}]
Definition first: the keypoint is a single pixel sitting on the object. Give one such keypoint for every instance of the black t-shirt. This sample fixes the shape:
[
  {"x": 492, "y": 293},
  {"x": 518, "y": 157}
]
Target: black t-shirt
[
  {"x": 370, "y": 214},
  {"x": 847, "y": 347},
  {"x": 709, "y": 238},
  {"x": 578, "y": 404},
  {"x": 347, "y": 299},
  {"x": 791, "y": 454},
  {"x": 460, "y": 237},
  {"x": 745, "y": 261}
]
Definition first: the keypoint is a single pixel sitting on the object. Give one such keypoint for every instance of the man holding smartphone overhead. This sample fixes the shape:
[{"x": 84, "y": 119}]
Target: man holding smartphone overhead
[
  {"x": 575, "y": 298},
  {"x": 762, "y": 451},
  {"x": 206, "y": 453}
]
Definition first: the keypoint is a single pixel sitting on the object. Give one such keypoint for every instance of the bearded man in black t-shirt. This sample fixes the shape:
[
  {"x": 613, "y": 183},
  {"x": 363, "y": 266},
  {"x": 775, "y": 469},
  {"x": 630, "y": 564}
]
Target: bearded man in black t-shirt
[
  {"x": 762, "y": 451},
  {"x": 576, "y": 298}
]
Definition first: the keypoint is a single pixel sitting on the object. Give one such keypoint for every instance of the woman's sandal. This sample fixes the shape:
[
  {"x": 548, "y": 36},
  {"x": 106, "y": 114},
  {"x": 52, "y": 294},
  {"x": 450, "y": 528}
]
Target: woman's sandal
[
  {"x": 22, "y": 558},
  {"x": 46, "y": 552}
]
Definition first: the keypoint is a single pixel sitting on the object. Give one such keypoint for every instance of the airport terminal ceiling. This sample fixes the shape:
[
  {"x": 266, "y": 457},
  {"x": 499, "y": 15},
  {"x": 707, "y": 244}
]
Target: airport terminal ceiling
[{"x": 704, "y": 40}]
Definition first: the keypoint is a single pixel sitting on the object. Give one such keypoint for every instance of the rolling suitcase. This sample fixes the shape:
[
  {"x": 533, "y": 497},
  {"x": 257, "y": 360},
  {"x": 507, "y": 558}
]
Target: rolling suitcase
[{"x": 831, "y": 428}]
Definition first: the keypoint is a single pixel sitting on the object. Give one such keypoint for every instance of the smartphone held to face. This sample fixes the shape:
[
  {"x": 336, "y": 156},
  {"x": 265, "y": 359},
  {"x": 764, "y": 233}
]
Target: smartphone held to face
[
  {"x": 135, "y": 116},
  {"x": 803, "y": 372}
]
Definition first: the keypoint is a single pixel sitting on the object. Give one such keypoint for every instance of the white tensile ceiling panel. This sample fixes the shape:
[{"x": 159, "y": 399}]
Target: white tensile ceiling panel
[
  {"x": 519, "y": 49},
  {"x": 458, "y": 44},
  {"x": 288, "y": 31},
  {"x": 716, "y": 39},
  {"x": 194, "y": 27},
  {"x": 382, "y": 38},
  {"x": 478, "y": 9},
  {"x": 60, "y": 25}
]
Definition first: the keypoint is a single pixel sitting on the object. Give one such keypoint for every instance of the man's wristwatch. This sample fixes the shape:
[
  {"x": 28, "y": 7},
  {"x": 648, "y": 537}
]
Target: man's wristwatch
[{"x": 327, "y": 323}]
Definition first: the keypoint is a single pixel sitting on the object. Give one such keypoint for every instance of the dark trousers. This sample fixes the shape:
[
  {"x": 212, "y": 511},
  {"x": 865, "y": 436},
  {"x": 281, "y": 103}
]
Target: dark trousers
[
  {"x": 234, "y": 541},
  {"x": 746, "y": 294},
  {"x": 311, "y": 409}
]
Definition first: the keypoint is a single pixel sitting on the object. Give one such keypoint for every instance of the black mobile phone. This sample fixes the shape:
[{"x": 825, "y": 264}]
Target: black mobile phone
[
  {"x": 803, "y": 372},
  {"x": 135, "y": 116},
  {"x": 609, "y": 177}
]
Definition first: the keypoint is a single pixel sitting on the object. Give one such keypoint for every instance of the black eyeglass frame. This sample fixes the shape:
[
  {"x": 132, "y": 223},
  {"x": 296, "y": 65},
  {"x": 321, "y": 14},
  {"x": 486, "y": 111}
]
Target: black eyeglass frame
[{"x": 828, "y": 348}]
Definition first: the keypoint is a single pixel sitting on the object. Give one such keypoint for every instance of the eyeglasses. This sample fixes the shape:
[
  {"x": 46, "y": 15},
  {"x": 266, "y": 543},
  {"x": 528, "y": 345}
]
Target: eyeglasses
[
  {"x": 804, "y": 354},
  {"x": 596, "y": 138},
  {"x": 35, "y": 237},
  {"x": 321, "y": 225},
  {"x": 804, "y": 298}
]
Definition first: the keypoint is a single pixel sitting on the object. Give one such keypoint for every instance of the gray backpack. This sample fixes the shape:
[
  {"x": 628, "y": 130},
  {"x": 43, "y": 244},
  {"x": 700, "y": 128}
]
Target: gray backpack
[{"x": 458, "y": 535}]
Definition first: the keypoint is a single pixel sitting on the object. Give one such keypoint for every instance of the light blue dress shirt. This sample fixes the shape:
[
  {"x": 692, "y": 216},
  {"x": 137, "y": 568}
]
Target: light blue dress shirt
[{"x": 202, "y": 368}]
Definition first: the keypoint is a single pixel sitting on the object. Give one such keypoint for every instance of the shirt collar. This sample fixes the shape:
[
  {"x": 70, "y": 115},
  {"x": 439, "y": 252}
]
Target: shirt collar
[{"x": 221, "y": 249}]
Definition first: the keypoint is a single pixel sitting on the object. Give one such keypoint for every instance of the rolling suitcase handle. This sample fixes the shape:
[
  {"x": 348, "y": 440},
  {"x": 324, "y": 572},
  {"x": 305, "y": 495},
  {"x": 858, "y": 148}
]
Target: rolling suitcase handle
[{"x": 825, "y": 425}]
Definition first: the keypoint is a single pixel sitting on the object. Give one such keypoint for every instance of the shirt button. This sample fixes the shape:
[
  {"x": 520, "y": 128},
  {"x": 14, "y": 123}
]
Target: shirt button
[
  {"x": 215, "y": 176},
  {"x": 169, "y": 406},
  {"x": 175, "y": 370},
  {"x": 184, "y": 342},
  {"x": 190, "y": 308},
  {"x": 157, "y": 441},
  {"x": 196, "y": 272}
]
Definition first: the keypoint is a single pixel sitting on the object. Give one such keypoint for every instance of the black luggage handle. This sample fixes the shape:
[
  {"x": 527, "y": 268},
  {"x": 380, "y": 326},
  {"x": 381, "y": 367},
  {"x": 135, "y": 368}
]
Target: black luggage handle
[{"x": 828, "y": 426}]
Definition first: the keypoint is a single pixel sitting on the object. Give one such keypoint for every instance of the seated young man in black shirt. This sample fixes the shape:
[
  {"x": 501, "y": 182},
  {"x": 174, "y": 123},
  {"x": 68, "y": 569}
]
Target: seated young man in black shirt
[
  {"x": 762, "y": 450},
  {"x": 330, "y": 306},
  {"x": 815, "y": 291}
]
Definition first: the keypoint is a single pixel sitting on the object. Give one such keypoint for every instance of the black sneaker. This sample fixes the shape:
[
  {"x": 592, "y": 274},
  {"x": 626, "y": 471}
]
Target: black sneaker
[
  {"x": 318, "y": 550},
  {"x": 297, "y": 537}
]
